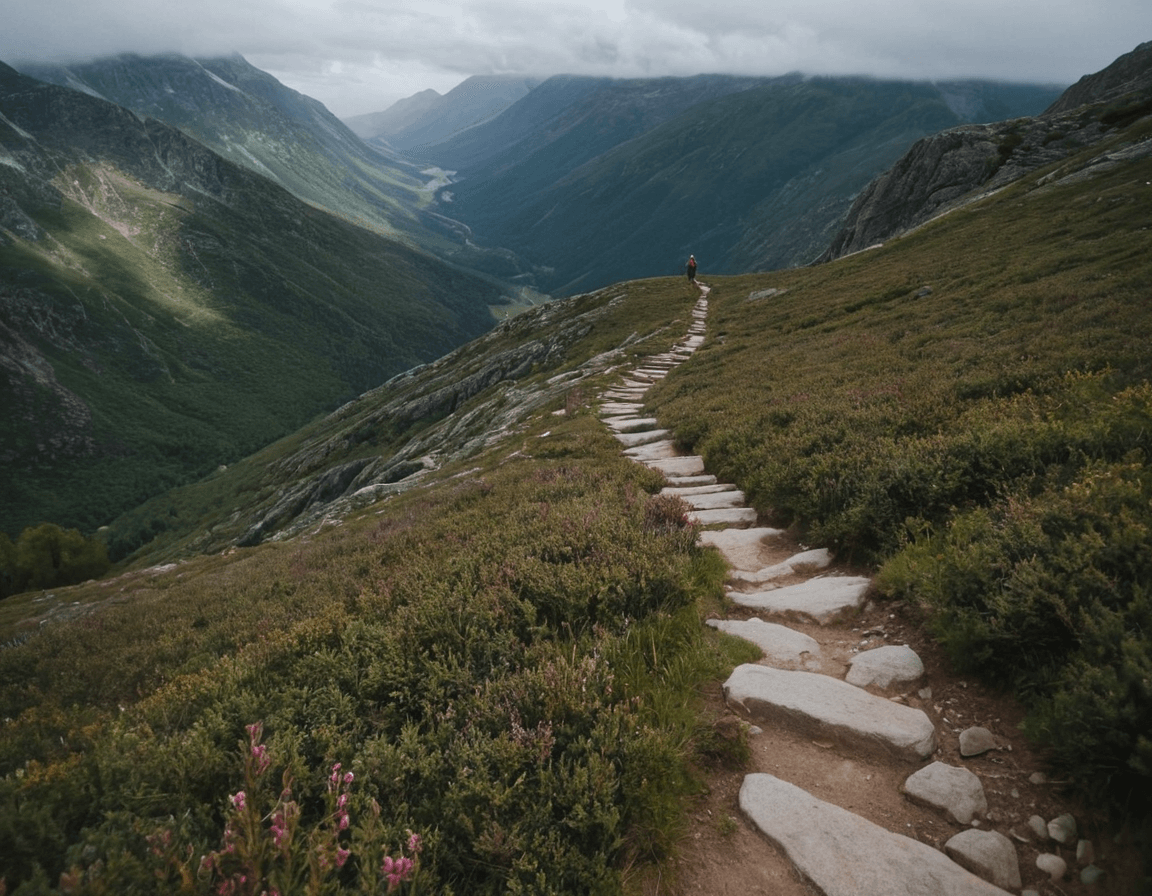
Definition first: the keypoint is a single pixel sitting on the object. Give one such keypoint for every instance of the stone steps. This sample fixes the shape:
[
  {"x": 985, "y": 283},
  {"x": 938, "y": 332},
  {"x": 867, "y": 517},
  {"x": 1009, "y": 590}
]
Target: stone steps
[
  {"x": 836, "y": 851},
  {"x": 843, "y": 854}
]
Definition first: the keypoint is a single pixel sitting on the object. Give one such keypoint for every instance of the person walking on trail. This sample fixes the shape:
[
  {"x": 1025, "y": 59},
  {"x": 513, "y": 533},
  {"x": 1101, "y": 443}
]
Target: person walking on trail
[{"x": 691, "y": 269}]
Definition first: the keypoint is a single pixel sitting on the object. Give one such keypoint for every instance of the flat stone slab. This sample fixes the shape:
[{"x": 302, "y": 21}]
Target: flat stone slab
[
  {"x": 842, "y": 854},
  {"x": 653, "y": 451},
  {"x": 632, "y": 439},
  {"x": 724, "y": 516},
  {"x": 620, "y": 408},
  {"x": 742, "y": 548},
  {"x": 892, "y": 667},
  {"x": 630, "y": 424},
  {"x": 956, "y": 791},
  {"x": 822, "y": 599},
  {"x": 693, "y": 465},
  {"x": 715, "y": 500},
  {"x": 702, "y": 479},
  {"x": 783, "y": 647},
  {"x": 684, "y": 491},
  {"x": 818, "y": 558},
  {"x": 828, "y": 707}
]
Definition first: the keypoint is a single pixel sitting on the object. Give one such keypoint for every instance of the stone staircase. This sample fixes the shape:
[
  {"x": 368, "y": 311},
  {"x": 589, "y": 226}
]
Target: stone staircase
[{"x": 796, "y": 688}]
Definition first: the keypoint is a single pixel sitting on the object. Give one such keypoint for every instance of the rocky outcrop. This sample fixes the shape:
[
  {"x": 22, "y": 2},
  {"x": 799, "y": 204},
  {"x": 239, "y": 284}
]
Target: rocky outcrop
[
  {"x": 475, "y": 396},
  {"x": 946, "y": 170}
]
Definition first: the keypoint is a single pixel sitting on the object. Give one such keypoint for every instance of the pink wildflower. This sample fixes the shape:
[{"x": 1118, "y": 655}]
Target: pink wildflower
[
  {"x": 240, "y": 801},
  {"x": 348, "y": 777},
  {"x": 414, "y": 844},
  {"x": 397, "y": 870},
  {"x": 342, "y": 857}
]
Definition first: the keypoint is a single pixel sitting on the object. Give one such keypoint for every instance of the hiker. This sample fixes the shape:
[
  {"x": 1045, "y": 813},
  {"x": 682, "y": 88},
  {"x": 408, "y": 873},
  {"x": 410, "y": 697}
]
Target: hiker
[{"x": 691, "y": 269}]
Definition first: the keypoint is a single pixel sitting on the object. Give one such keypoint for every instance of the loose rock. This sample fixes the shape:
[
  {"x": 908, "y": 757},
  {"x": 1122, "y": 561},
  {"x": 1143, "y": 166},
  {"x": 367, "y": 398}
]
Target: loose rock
[
  {"x": 975, "y": 741},
  {"x": 955, "y": 790},
  {"x": 885, "y": 668},
  {"x": 988, "y": 854},
  {"x": 1052, "y": 865},
  {"x": 1063, "y": 829}
]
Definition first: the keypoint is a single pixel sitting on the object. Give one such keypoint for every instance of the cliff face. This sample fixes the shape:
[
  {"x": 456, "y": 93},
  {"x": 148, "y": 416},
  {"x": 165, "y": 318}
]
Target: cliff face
[{"x": 948, "y": 169}]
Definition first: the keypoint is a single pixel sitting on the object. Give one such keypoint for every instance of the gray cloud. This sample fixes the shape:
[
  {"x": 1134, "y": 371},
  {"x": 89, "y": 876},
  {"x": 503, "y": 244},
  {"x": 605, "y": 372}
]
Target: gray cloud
[{"x": 361, "y": 55}]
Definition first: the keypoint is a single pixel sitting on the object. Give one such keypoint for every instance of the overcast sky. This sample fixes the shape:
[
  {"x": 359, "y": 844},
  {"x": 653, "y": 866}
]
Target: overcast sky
[{"x": 359, "y": 56}]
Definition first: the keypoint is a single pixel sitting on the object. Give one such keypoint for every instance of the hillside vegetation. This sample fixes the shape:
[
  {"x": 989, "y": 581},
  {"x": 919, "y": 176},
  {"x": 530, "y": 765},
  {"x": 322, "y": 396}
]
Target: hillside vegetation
[
  {"x": 969, "y": 409},
  {"x": 505, "y": 650},
  {"x": 163, "y": 311}
]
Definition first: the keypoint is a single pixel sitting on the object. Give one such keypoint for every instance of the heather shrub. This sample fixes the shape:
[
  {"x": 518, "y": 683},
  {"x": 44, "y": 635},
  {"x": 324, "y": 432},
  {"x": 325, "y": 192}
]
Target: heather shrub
[
  {"x": 1049, "y": 591},
  {"x": 506, "y": 665}
]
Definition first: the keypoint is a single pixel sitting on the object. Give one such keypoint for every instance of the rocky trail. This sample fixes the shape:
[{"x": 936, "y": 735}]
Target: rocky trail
[{"x": 875, "y": 769}]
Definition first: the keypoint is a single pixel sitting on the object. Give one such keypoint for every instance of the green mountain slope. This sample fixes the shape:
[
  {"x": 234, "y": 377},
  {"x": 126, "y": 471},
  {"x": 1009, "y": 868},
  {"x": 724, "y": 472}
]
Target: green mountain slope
[
  {"x": 253, "y": 120},
  {"x": 627, "y": 178},
  {"x": 163, "y": 311},
  {"x": 428, "y": 118}
]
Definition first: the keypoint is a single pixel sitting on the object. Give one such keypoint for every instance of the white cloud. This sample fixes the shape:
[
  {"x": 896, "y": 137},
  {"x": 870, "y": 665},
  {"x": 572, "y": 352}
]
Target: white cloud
[{"x": 355, "y": 55}]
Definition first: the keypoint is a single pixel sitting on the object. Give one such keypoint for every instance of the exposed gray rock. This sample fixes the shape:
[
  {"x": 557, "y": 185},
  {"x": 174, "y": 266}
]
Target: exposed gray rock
[
  {"x": 943, "y": 171},
  {"x": 975, "y": 741},
  {"x": 1052, "y": 865},
  {"x": 885, "y": 667},
  {"x": 988, "y": 854},
  {"x": 783, "y": 647},
  {"x": 823, "y": 599},
  {"x": 955, "y": 790},
  {"x": 843, "y": 854},
  {"x": 830, "y": 708},
  {"x": 1085, "y": 853},
  {"x": 1039, "y": 827}
]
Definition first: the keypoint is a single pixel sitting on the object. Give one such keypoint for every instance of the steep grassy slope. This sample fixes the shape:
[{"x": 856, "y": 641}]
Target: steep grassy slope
[
  {"x": 163, "y": 311},
  {"x": 254, "y": 121},
  {"x": 969, "y": 409}
]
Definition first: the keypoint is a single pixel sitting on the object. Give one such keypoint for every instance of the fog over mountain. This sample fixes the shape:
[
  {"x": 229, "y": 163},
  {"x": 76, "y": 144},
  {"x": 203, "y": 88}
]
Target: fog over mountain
[{"x": 360, "y": 58}]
